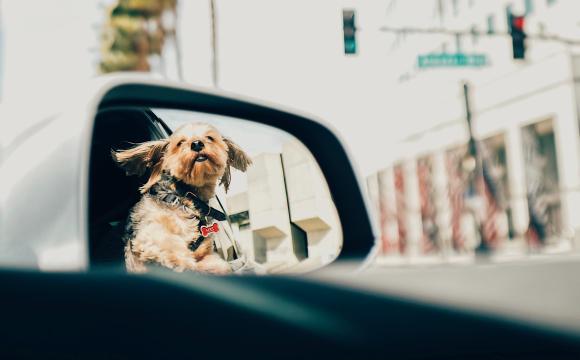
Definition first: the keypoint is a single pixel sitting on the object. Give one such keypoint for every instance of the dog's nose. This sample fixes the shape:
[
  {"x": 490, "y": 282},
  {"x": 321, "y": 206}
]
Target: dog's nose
[{"x": 197, "y": 145}]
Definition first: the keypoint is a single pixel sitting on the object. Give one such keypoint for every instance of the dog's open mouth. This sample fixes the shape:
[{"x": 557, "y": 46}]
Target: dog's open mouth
[{"x": 200, "y": 158}]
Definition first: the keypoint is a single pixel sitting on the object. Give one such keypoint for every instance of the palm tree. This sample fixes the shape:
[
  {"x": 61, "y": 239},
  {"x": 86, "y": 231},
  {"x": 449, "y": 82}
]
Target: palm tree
[{"x": 133, "y": 32}]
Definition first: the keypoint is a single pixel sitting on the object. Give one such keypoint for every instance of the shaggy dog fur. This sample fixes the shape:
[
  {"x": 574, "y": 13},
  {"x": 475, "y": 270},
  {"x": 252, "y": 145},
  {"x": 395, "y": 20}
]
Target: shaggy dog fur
[{"x": 159, "y": 232}]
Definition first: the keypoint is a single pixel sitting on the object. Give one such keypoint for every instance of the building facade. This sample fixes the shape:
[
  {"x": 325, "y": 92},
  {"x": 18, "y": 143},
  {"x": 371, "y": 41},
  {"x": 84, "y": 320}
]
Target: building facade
[
  {"x": 525, "y": 114},
  {"x": 286, "y": 220}
]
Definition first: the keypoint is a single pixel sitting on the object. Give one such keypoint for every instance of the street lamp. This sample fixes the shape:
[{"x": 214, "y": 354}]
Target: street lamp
[{"x": 468, "y": 164}]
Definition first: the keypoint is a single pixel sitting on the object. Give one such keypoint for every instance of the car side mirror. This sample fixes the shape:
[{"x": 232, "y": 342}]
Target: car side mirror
[{"x": 286, "y": 190}]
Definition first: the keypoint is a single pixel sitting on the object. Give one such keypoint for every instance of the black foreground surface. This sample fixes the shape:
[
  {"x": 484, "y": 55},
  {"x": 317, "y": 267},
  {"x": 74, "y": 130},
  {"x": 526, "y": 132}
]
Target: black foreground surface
[{"x": 109, "y": 314}]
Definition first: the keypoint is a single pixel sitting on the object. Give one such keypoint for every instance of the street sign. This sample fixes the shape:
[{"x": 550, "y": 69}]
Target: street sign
[{"x": 451, "y": 60}]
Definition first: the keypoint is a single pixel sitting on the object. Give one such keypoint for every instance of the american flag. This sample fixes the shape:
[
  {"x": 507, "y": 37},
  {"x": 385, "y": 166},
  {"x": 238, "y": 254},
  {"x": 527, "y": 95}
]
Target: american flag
[
  {"x": 456, "y": 189},
  {"x": 384, "y": 215},
  {"x": 428, "y": 211},
  {"x": 401, "y": 207}
]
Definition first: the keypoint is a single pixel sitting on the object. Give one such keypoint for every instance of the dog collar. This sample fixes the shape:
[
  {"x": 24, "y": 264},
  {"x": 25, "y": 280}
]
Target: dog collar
[
  {"x": 183, "y": 190},
  {"x": 202, "y": 206}
]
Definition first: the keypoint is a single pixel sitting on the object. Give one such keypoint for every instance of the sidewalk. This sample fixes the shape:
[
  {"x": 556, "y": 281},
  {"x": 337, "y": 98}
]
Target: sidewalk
[{"x": 514, "y": 250}]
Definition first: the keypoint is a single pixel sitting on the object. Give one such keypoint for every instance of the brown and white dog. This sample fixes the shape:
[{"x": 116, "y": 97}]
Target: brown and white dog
[{"x": 165, "y": 227}]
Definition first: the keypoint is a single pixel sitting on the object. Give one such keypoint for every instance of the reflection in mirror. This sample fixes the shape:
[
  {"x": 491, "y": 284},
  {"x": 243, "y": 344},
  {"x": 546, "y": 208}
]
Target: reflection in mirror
[{"x": 269, "y": 206}]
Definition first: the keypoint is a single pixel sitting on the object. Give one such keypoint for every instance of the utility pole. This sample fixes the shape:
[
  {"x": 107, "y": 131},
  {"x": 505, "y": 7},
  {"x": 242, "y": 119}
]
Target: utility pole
[
  {"x": 468, "y": 118},
  {"x": 179, "y": 64},
  {"x": 475, "y": 179},
  {"x": 443, "y": 31},
  {"x": 214, "y": 49}
]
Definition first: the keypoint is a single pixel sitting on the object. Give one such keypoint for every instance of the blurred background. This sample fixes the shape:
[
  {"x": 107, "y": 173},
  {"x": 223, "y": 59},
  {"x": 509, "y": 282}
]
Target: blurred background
[{"x": 461, "y": 115}]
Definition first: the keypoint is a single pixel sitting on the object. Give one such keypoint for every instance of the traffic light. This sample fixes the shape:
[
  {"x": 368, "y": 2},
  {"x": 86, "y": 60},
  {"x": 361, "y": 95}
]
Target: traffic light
[
  {"x": 349, "y": 30},
  {"x": 518, "y": 35}
]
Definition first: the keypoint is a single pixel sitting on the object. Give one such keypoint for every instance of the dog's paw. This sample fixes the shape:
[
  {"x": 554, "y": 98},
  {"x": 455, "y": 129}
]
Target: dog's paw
[{"x": 213, "y": 264}]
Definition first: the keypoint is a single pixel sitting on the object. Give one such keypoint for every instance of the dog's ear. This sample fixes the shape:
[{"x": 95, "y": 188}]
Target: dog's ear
[
  {"x": 237, "y": 158},
  {"x": 136, "y": 160}
]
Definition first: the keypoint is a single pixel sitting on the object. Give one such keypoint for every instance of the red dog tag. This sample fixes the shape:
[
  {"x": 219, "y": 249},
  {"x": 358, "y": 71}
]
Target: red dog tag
[{"x": 206, "y": 230}]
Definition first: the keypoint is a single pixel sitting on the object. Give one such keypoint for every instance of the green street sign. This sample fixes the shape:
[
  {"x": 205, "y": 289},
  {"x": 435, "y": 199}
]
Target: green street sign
[{"x": 451, "y": 60}]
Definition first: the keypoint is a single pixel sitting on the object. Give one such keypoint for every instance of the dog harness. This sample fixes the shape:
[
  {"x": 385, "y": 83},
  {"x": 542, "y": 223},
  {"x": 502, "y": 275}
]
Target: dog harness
[{"x": 184, "y": 191}]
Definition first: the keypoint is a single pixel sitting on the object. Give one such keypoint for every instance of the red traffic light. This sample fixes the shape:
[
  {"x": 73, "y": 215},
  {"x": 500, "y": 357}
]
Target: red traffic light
[
  {"x": 518, "y": 36},
  {"x": 518, "y": 22}
]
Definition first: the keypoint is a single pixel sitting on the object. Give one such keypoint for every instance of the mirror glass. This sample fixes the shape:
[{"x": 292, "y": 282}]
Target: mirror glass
[{"x": 279, "y": 214}]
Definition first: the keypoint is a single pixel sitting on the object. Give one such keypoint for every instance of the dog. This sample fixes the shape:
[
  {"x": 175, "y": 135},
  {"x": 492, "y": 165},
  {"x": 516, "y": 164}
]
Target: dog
[{"x": 173, "y": 224}]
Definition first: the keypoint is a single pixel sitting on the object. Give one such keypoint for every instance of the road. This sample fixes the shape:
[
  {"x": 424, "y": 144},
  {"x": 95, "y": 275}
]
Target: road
[{"x": 540, "y": 291}]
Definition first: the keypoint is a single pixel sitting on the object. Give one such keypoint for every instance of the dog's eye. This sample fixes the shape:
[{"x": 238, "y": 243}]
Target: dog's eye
[
  {"x": 180, "y": 142},
  {"x": 209, "y": 138}
]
